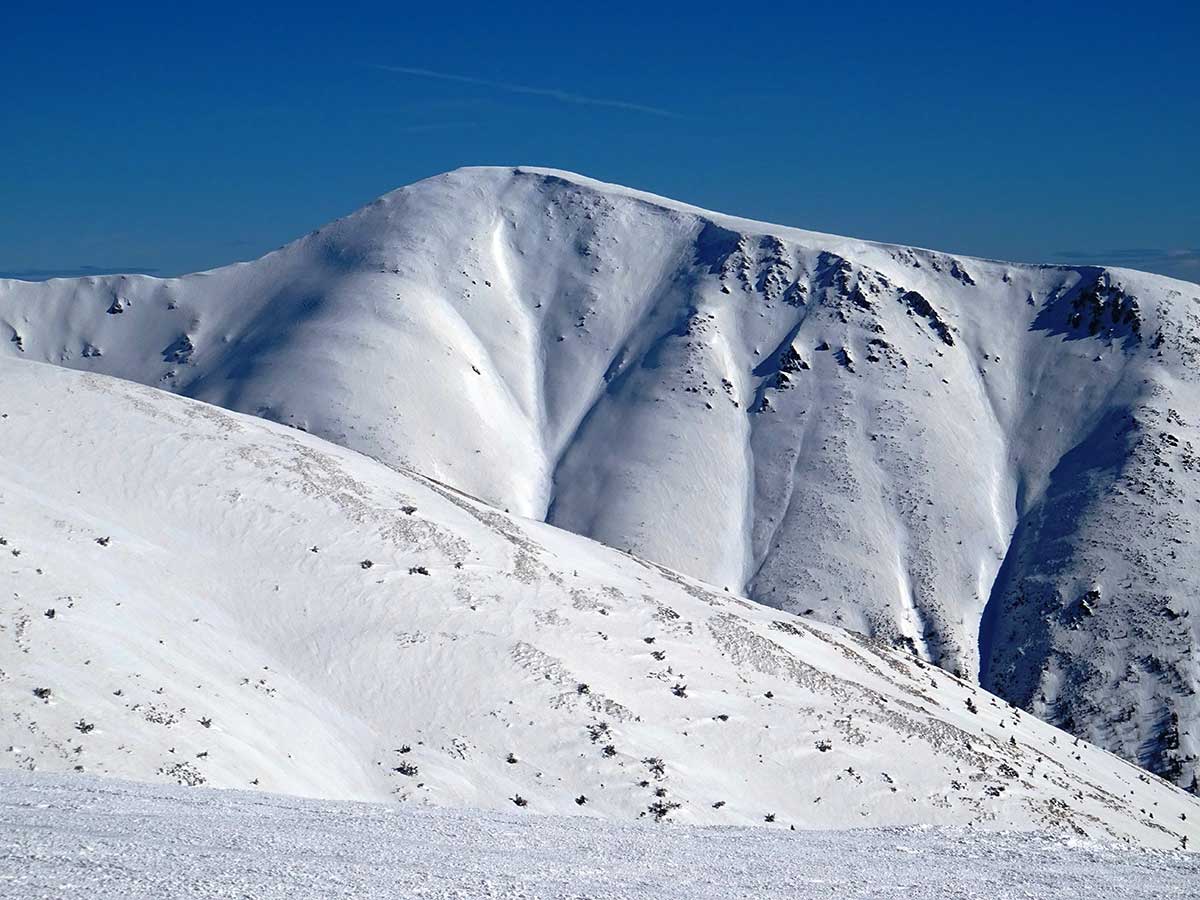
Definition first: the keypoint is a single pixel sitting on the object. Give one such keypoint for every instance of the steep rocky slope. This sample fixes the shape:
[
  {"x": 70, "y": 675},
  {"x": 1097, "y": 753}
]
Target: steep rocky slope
[{"x": 990, "y": 464}]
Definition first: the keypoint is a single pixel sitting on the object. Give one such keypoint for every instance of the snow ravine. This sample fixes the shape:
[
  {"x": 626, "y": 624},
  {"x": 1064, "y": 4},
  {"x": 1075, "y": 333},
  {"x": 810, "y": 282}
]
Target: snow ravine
[
  {"x": 197, "y": 596},
  {"x": 98, "y": 839},
  {"x": 929, "y": 449}
]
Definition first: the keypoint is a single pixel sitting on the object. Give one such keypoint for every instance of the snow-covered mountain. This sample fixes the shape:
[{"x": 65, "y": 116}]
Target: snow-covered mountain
[
  {"x": 991, "y": 464},
  {"x": 199, "y": 596}
]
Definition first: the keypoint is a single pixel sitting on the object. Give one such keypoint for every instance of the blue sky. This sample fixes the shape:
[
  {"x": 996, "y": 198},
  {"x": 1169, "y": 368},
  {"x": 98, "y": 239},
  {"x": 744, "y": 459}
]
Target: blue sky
[{"x": 152, "y": 139}]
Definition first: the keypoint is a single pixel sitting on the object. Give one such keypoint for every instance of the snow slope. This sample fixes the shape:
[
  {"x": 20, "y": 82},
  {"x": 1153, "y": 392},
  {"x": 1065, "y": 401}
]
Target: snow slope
[
  {"x": 991, "y": 464},
  {"x": 78, "y": 836},
  {"x": 198, "y": 596}
]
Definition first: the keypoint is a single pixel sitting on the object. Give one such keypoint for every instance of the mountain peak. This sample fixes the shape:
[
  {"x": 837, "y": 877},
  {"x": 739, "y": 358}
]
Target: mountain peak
[{"x": 923, "y": 447}]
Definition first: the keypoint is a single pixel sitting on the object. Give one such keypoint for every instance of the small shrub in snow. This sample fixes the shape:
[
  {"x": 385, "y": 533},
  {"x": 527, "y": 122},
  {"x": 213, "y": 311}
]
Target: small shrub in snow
[{"x": 660, "y": 809}]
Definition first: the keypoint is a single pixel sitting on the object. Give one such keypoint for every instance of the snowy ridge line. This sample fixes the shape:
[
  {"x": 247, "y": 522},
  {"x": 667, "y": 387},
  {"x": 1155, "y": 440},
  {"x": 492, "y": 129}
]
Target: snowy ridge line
[{"x": 202, "y": 597}]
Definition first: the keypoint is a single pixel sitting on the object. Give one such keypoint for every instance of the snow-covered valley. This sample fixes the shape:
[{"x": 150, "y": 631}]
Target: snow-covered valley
[{"x": 992, "y": 465}]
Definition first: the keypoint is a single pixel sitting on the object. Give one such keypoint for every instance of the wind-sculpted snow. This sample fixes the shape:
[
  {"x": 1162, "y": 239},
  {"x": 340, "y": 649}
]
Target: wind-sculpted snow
[
  {"x": 69, "y": 836},
  {"x": 201, "y": 597},
  {"x": 948, "y": 454}
]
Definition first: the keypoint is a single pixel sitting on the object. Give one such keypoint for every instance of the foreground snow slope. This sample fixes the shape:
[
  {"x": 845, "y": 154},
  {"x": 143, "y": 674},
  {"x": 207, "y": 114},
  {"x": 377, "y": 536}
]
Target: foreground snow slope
[
  {"x": 102, "y": 838},
  {"x": 929, "y": 449},
  {"x": 198, "y": 596}
]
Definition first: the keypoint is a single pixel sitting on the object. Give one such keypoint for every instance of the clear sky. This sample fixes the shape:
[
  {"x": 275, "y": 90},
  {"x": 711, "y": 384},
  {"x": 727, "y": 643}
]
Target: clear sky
[{"x": 137, "y": 137}]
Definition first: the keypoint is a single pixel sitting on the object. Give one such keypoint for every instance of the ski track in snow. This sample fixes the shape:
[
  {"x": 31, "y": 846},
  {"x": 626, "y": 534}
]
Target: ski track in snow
[{"x": 77, "y": 836}]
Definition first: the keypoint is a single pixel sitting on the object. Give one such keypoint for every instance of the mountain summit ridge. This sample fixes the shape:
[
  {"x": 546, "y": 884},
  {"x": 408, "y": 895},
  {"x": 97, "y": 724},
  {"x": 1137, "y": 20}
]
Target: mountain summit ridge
[{"x": 925, "y": 447}]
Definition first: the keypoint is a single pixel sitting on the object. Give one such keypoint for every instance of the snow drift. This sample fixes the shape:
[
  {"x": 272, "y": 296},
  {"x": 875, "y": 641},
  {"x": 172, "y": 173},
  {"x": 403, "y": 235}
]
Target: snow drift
[{"x": 75, "y": 835}]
